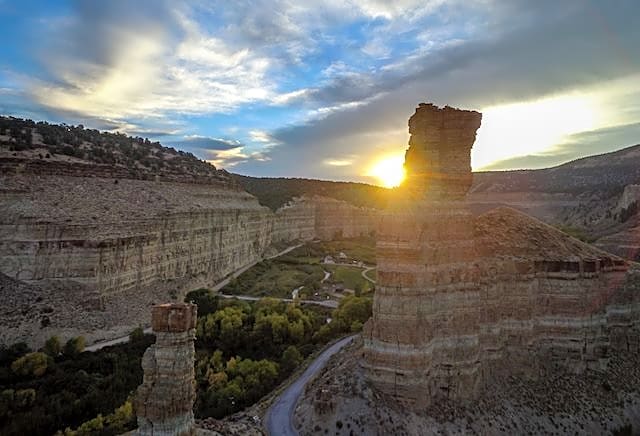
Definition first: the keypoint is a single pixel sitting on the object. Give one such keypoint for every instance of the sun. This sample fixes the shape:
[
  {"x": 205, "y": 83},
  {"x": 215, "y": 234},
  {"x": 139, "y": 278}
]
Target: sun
[{"x": 388, "y": 170}]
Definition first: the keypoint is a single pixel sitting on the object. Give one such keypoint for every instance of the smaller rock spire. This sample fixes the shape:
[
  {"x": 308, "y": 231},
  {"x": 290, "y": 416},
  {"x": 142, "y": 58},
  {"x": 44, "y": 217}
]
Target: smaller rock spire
[{"x": 164, "y": 401}]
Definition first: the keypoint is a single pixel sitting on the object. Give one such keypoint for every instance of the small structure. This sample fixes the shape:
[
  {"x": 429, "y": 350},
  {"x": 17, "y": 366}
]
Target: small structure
[
  {"x": 164, "y": 401},
  {"x": 328, "y": 259}
]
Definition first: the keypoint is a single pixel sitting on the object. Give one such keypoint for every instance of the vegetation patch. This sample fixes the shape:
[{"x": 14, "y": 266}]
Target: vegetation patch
[
  {"x": 350, "y": 277},
  {"x": 276, "y": 278},
  {"x": 61, "y": 388},
  {"x": 244, "y": 350}
]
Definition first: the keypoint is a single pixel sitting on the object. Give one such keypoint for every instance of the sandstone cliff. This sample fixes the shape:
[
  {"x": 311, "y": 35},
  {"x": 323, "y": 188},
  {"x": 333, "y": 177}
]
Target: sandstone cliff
[{"x": 113, "y": 246}]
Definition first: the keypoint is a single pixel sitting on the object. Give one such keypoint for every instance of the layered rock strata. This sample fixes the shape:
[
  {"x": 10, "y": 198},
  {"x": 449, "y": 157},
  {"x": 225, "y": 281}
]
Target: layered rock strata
[
  {"x": 460, "y": 301},
  {"x": 438, "y": 160},
  {"x": 164, "y": 401},
  {"x": 420, "y": 338},
  {"x": 115, "y": 246}
]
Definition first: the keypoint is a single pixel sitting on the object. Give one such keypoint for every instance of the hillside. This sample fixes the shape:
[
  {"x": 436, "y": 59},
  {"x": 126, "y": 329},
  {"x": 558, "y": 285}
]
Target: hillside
[
  {"x": 604, "y": 172},
  {"x": 276, "y": 192},
  {"x": 75, "y": 146},
  {"x": 582, "y": 195}
]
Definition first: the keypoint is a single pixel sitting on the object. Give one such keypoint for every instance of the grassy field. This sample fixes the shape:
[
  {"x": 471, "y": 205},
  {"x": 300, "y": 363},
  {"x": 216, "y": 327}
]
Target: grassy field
[
  {"x": 302, "y": 267},
  {"x": 351, "y": 277},
  {"x": 275, "y": 278},
  {"x": 373, "y": 274}
]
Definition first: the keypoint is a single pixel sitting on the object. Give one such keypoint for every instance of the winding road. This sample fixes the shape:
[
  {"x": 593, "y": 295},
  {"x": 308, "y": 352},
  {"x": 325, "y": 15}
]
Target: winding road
[
  {"x": 366, "y": 277},
  {"x": 279, "y": 417}
]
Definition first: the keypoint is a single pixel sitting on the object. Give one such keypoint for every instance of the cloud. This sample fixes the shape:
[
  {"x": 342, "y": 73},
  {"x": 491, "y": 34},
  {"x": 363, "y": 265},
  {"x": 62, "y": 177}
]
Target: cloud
[
  {"x": 233, "y": 156},
  {"x": 576, "y": 146},
  {"x": 264, "y": 138},
  {"x": 306, "y": 83},
  {"x": 196, "y": 142},
  {"x": 338, "y": 162},
  {"x": 527, "y": 54}
]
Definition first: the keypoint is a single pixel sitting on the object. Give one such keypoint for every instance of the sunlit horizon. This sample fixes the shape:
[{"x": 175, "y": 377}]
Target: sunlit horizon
[{"x": 388, "y": 171}]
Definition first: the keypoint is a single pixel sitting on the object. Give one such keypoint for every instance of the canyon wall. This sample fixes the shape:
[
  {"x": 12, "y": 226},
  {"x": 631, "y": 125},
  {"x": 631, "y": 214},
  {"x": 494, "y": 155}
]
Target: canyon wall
[
  {"x": 115, "y": 246},
  {"x": 461, "y": 300}
]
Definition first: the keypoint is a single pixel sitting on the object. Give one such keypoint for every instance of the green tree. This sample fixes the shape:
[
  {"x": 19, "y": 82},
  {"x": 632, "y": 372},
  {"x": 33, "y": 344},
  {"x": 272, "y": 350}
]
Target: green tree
[
  {"x": 352, "y": 309},
  {"x": 7, "y": 398},
  {"x": 53, "y": 346},
  {"x": 356, "y": 326},
  {"x": 74, "y": 346},
  {"x": 31, "y": 364},
  {"x": 358, "y": 289},
  {"x": 291, "y": 358},
  {"x": 206, "y": 301},
  {"x": 136, "y": 335},
  {"x": 25, "y": 398}
]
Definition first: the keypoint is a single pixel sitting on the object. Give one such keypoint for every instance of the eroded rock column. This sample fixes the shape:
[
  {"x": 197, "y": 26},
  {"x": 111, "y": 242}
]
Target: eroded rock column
[
  {"x": 164, "y": 401},
  {"x": 422, "y": 341}
]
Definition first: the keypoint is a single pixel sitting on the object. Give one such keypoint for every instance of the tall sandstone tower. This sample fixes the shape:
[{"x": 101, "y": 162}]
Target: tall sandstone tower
[
  {"x": 461, "y": 301},
  {"x": 164, "y": 401},
  {"x": 420, "y": 342}
]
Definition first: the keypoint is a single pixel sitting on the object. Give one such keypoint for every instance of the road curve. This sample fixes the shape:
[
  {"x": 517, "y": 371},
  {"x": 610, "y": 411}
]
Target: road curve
[
  {"x": 279, "y": 417},
  {"x": 365, "y": 276},
  {"x": 121, "y": 340}
]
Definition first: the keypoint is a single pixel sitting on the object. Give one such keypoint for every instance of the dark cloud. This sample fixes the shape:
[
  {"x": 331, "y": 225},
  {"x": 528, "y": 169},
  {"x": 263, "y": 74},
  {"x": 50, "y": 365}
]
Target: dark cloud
[
  {"x": 97, "y": 28},
  {"x": 205, "y": 143}
]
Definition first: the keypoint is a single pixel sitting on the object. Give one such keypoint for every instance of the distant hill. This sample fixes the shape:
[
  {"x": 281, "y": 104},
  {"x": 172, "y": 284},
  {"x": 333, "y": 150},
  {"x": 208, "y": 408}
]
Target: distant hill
[
  {"x": 605, "y": 172},
  {"x": 276, "y": 192},
  {"x": 44, "y": 142}
]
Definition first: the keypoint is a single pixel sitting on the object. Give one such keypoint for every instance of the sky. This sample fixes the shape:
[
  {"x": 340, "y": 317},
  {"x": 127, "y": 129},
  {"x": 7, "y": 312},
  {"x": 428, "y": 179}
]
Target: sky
[{"x": 324, "y": 89}]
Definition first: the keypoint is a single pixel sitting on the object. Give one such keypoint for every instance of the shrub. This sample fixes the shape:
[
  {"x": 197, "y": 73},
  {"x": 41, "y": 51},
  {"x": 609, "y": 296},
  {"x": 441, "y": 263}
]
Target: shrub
[
  {"x": 136, "y": 335},
  {"x": 31, "y": 364},
  {"x": 53, "y": 346},
  {"x": 74, "y": 346},
  {"x": 291, "y": 358}
]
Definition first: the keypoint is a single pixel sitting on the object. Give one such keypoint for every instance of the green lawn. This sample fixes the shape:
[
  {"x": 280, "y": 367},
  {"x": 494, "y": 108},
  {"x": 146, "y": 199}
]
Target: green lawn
[
  {"x": 373, "y": 274},
  {"x": 350, "y": 276},
  {"x": 275, "y": 278},
  {"x": 302, "y": 267}
]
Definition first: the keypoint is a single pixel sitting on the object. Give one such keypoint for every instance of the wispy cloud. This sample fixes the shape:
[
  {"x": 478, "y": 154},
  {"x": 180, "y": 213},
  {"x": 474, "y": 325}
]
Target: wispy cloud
[{"x": 234, "y": 156}]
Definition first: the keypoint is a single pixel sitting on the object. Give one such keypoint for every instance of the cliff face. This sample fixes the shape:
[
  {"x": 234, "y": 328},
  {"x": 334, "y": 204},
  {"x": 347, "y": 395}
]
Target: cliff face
[
  {"x": 460, "y": 301},
  {"x": 438, "y": 160},
  {"x": 336, "y": 219},
  {"x": 114, "y": 246}
]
